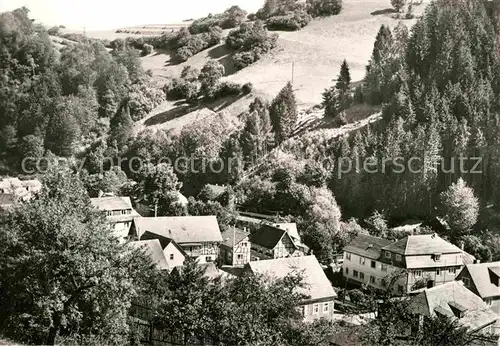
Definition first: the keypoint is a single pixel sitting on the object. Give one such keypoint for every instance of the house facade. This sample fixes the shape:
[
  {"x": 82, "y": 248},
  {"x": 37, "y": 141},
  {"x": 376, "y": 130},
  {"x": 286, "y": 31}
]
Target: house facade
[
  {"x": 483, "y": 279},
  {"x": 417, "y": 260},
  {"x": 198, "y": 236},
  {"x": 119, "y": 213},
  {"x": 272, "y": 242},
  {"x": 320, "y": 303},
  {"x": 235, "y": 248}
]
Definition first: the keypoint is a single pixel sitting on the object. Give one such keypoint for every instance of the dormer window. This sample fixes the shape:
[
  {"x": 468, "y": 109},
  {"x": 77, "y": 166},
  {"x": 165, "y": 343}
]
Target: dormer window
[
  {"x": 387, "y": 254},
  {"x": 458, "y": 310}
]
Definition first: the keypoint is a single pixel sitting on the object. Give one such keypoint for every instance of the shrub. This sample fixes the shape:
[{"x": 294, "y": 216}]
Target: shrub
[
  {"x": 320, "y": 8},
  {"x": 181, "y": 89},
  {"x": 54, "y": 31},
  {"x": 230, "y": 18},
  {"x": 209, "y": 78},
  {"x": 252, "y": 17},
  {"x": 398, "y": 4},
  {"x": 243, "y": 59},
  {"x": 247, "y": 88},
  {"x": 189, "y": 45},
  {"x": 290, "y": 22},
  {"x": 225, "y": 89},
  {"x": 143, "y": 98},
  {"x": 147, "y": 49}
]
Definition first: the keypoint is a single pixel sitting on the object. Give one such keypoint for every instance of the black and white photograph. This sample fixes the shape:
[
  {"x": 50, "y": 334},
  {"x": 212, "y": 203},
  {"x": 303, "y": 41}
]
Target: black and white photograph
[{"x": 250, "y": 172}]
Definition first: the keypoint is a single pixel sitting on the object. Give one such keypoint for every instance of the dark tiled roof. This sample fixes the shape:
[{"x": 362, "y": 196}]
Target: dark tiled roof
[
  {"x": 267, "y": 236},
  {"x": 367, "y": 246},
  {"x": 237, "y": 234}
]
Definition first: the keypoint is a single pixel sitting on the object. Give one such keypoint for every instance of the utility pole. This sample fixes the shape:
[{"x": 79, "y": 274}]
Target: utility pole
[
  {"x": 84, "y": 31},
  {"x": 293, "y": 70}
]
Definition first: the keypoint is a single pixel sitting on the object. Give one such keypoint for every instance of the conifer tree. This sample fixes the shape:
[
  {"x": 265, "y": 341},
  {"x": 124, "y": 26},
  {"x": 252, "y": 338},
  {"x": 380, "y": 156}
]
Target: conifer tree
[
  {"x": 338, "y": 98},
  {"x": 121, "y": 125},
  {"x": 283, "y": 113}
]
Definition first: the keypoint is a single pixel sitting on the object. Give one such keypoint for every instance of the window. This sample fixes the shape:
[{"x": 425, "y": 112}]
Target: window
[
  {"x": 384, "y": 267},
  {"x": 374, "y": 264},
  {"x": 315, "y": 309},
  {"x": 488, "y": 301},
  {"x": 436, "y": 256},
  {"x": 355, "y": 273},
  {"x": 387, "y": 254},
  {"x": 362, "y": 261},
  {"x": 438, "y": 272},
  {"x": 452, "y": 270},
  {"x": 361, "y": 275},
  {"x": 346, "y": 271},
  {"x": 347, "y": 256},
  {"x": 303, "y": 310},
  {"x": 418, "y": 273},
  {"x": 398, "y": 257},
  {"x": 208, "y": 259},
  {"x": 109, "y": 213},
  {"x": 372, "y": 279},
  {"x": 240, "y": 256},
  {"x": 326, "y": 307},
  {"x": 171, "y": 256},
  {"x": 466, "y": 282},
  {"x": 244, "y": 244}
]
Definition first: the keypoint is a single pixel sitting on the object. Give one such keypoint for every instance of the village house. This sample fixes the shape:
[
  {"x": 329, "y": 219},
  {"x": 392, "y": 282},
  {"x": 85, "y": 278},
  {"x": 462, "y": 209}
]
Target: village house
[
  {"x": 119, "y": 213},
  {"x": 419, "y": 261},
  {"x": 271, "y": 241},
  {"x": 455, "y": 301},
  {"x": 235, "y": 248},
  {"x": 153, "y": 249},
  {"x": 198, "y": 236},
  {"x": 210, "y": 271},
  {"x": 317, "y": 286},
  {"x": 483, "y": 279},
  {"x": 14, "y": 190}
]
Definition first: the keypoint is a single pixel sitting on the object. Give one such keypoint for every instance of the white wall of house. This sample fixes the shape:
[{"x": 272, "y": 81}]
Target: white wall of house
[
  {"x": 313, "y": 311},
  {"x": 121, "y": 230},
  {"x": 173, "y": 255}
]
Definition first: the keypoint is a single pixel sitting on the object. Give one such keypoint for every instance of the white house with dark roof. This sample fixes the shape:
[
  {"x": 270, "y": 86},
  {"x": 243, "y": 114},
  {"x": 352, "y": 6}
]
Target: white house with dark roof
[
  {"x": 119, "y": 213},
  {"x": 424, "y": 259},
  {"x": 235, "y": 248},
  {"x": 198, "y": 236},
  {"x": 270, "y": 241},
  {"x": 317, "y": 286},
  {"x": 483, "y": 279},
  {"x": 455, "y": 301}
]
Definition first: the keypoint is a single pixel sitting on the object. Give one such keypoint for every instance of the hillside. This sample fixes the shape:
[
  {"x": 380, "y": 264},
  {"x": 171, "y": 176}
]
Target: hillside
[{"x": 316, "y": 51}]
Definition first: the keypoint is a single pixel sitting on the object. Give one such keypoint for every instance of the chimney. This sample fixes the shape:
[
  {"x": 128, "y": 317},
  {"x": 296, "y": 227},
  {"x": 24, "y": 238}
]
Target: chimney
[
  {"x": 477, "y": 261},
  {"x": 462, "y": 245}
]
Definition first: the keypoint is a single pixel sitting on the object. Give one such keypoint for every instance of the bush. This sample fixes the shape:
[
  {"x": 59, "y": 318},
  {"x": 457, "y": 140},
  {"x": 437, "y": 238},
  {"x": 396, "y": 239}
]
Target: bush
[
  {"x": 243, "y": 59},
  {"x": 320, "y": 8},
  {"x": 189, "y": 45},
  {"x": 54, "y": 31},
  {"x": 228, "y": 89},
  {"x": 251, "y": 40},
  {"x": 290, "y": 22},
  {"x": 398, "y": 4},
  {"x": 231, "y": 18},
  {"x": 252, "y": 17},
  {"x": 147, "y": 49},
  {"x": 181, "y": 89},
  {"x": 143, "y": 98},
  {"x": 247, "y": 88}
]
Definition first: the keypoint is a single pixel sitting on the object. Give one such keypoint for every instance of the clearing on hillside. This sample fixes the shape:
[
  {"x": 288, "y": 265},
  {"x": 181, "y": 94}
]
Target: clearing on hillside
[{"x": 316, "y": 52}]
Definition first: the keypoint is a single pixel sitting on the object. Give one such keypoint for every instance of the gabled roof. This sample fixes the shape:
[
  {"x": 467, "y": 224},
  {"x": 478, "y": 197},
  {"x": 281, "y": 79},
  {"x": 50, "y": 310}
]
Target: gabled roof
[
  {"x": 268, "y": 236},
  {"x": 233, "y": 233},
  {"x": 154, "y": 250},
  {"x": 171, "y": 241},
  {"x": 422, "y": 244},
  {"x": 480, "y": 275},
  {"x": 182, "y": 229},
  {"x": 317, "y": 284},
  {"x": 291, "y": 228},
  {"x": 112, "y": 203},
  {"x": 367, "y": 246},
  {"x": 454, "y": 295}
]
